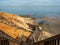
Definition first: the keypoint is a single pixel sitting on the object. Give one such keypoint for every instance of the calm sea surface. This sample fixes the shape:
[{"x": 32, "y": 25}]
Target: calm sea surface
[{"x": 36, "y": 11}]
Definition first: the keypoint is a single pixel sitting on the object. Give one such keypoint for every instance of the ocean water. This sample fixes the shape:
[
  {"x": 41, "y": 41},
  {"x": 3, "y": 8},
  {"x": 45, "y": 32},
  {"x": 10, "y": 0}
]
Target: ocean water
[{"x": 35, "y": 11}]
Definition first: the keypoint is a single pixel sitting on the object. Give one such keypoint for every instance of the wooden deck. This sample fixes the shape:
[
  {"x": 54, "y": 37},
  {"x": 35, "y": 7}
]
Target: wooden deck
[{"x": 55, "y": 40}]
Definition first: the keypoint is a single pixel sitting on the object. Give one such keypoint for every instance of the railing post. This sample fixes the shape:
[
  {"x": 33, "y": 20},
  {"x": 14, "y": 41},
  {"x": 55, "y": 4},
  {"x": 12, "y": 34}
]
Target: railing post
[{"x": 58, "y": 41}]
